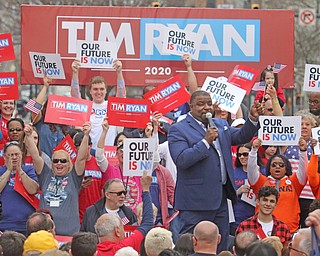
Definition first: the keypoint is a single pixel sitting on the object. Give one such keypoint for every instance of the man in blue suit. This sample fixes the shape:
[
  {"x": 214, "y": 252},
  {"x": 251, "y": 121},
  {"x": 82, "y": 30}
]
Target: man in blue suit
[{"x": 202, "y": 154}]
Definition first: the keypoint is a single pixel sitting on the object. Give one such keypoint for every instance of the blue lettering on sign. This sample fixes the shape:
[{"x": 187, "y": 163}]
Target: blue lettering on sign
[
  {"x": 136, "y": 108},
  {"x": 245, "y": 74},
  {"x": 4, "y": 43},
  {"x": 170, "y": 89},
  {"x": 284, "y": 137},
  {"x": 6, "y": 81},
  {"x": 221, "y": 39},
  {"x": 76, "y": 107}
]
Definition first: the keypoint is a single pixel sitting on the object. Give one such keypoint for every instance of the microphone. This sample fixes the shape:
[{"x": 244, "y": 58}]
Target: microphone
[{"x": 209, "y": 117}]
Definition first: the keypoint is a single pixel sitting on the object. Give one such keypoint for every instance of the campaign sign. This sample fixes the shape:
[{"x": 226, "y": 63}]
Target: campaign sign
[
  {"x": 229, "y": 95},
  {"x": 311, "y": 78},
  {"x": 18, "y": 187},
  {"x": 168, "y": 95},
  {"x": 9, "y": 86},
  {"x": 47, "y": 63},
  {"x": 110, "y": 153},
  {"x": 179, "y": 42},
  {"x": 243, "y": 77},
  {"x": 316, "y": 136},
  {"x": 67, "y": 145},
  {"x": 138, "y": 156},
  {"x": 67, "y": 110},
  {"x": 132, "y": 113},
  {"x": 96, "y": 54},
  {"x": 6, "y": 48},
  {"x": 280, "y": 130}
]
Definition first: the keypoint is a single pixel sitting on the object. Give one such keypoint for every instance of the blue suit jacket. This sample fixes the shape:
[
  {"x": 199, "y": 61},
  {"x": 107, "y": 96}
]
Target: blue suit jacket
[{"x": 199, "y": 185}]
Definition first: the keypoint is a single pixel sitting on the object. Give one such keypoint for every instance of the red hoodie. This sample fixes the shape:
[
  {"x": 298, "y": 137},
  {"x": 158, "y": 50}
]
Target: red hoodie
[{"x": 109, "y": 248}]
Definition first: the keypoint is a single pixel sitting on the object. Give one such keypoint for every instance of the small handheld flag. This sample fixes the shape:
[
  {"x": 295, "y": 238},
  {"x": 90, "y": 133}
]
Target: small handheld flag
[
  {"x": 33, "y": 106},
  {"x": 278, "y": 67},
  {"x": 259, "y": 86}
]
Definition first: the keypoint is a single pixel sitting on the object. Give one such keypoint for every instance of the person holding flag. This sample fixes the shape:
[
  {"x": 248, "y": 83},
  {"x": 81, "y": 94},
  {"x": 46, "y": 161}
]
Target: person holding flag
[{"x": 270, "y": 77}]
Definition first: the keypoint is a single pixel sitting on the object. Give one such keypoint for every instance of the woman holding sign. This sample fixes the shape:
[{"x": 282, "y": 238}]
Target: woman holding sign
[
  {"x": 279, "y": 175},
  {"x": 313, "y": 175},
  {"x": 308, "y": 121}
]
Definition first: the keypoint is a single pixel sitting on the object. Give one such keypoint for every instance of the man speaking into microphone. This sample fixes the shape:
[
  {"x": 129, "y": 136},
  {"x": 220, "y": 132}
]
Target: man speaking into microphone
[{"x": 201, "y": 149}]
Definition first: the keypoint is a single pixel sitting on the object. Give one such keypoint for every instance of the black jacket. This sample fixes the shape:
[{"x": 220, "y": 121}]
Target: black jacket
[{"x": 93, "y": 212}]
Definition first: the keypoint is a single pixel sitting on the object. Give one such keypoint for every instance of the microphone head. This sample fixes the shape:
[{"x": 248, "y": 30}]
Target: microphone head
[{"x": 208, "y": 115}]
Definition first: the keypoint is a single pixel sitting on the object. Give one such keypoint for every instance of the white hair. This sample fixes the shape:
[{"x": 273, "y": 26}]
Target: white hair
[
  {"x": 157, "y": 240},
  {"x": 126, "y": 251}
]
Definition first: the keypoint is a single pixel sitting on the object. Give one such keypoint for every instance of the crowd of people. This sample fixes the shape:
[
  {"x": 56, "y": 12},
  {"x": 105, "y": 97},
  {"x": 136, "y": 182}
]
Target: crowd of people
[{"x": 203, "y": 167}]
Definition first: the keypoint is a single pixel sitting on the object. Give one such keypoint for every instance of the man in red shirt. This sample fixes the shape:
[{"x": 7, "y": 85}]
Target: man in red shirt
[{"x": 264, "y": 223}]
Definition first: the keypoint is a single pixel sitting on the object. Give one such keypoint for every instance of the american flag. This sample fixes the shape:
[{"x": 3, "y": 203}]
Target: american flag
[
  {"x": 292, "y": 153},
  {"x": 124, "y": 220},
  {"x": 33, "y": 106},
  {"x": 278, "y": 67},
  {"x": 259, "y": 86}
]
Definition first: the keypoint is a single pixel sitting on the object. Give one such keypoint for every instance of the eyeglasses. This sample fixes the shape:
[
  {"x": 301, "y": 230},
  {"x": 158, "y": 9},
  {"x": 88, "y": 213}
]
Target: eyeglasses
[
  {"x": 61, "y": 160},
  {"x": 245, "y": 154},
  {"x": 313, "y": 102},
  {"x": 296, "y": 250},
  {"x": 275, "y": 164},
  {"x": 270, "y": 109},
  {"x": 16, "y": 129},
  {"x": 118, "y": 193}
]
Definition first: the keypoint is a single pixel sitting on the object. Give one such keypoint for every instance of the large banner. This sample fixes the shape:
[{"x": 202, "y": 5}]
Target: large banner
[{"x": 228, "y": 38}]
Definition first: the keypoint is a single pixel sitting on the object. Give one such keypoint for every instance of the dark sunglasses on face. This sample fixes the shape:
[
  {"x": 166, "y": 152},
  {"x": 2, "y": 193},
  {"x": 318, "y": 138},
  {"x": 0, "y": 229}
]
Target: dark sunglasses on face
[
  {"x": 275, "y": 164},
  {"x": 119, "y": 193},
  {"x": 245, "y": 154},
  {"x": 16, "y": 129},
  {"x": 61, "y": 160}
]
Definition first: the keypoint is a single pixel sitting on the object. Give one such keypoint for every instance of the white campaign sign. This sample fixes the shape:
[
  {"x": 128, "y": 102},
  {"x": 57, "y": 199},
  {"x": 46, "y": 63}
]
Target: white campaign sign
[
  {"x": 179, "y": 42},
  {"x": 311, "y": 78},
  {"x": 48, "y": 63},
  {"x": 229, "y": 95},
  {"x": 280, "y": 130},
  {"x": 96, "y": 54},
  {"x": 138, "y": 156},
  {"x": 316, "y": 135}
]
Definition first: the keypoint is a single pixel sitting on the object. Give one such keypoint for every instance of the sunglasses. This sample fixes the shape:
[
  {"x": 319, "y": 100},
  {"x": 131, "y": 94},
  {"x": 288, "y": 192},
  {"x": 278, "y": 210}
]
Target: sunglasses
[
  {"x": 16, "y": 129},
  {"x": 275, "y": 164},
  {"x": 61, "y": 160},
  {"x": 11, "y": 143},
  {"x": 119, "y": 193},
  {"x": 245, "y": 154}
]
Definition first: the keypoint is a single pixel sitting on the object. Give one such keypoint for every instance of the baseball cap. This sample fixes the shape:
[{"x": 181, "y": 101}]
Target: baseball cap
[
  {"x": 237, "y": 122},
  {"x": 40, "y": 241}
]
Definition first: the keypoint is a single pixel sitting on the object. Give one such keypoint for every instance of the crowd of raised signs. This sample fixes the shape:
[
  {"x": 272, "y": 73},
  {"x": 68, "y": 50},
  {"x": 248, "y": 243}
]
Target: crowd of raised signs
[{"x": 76, "y": 174}]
